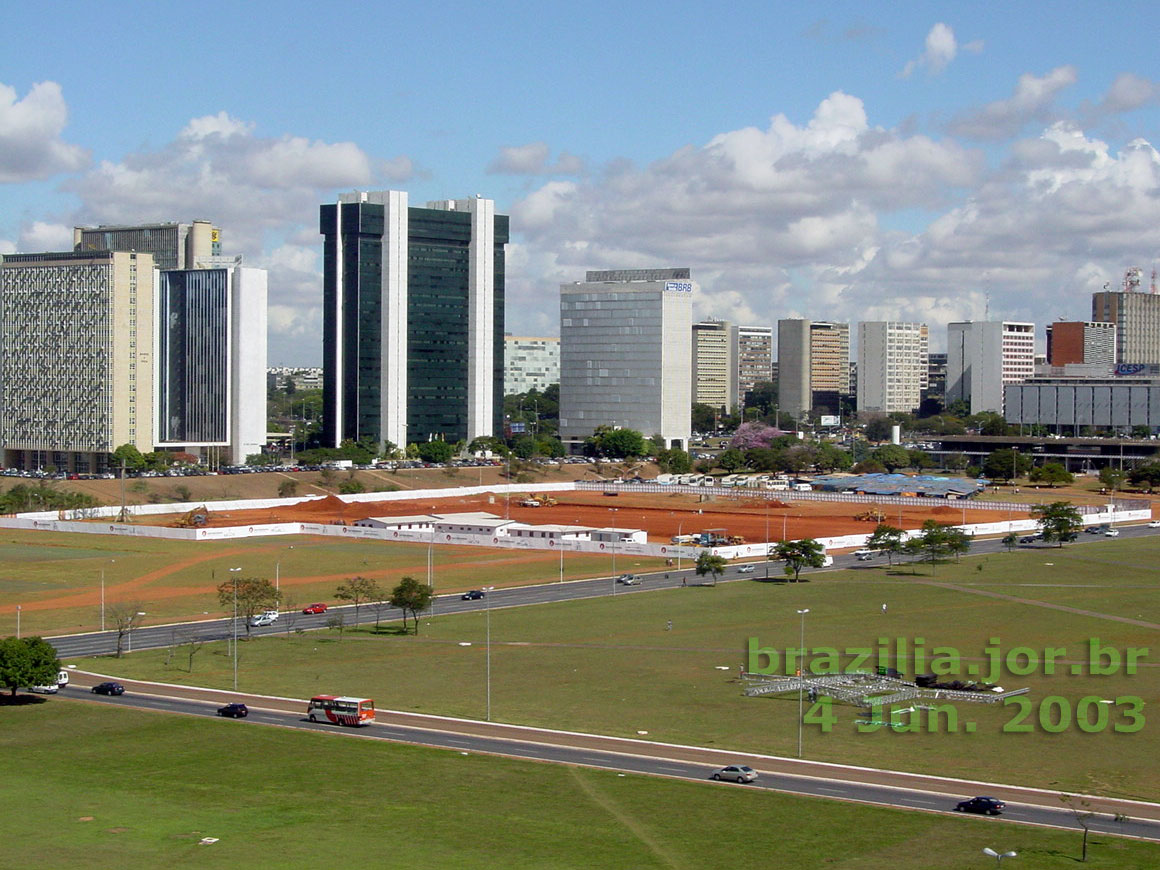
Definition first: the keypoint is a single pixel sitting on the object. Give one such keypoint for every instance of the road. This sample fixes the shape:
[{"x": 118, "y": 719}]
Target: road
[
  {"x": 158, "y": 636},
  {"x": 930, "y": 794}
]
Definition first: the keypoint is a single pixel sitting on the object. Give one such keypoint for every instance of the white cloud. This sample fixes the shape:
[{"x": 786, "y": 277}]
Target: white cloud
[
  {"x": 939, "y": 50},
  {"x": 42, "y": 236},
  {"x": 30, "y": 131},
  {"x": 532, "y": 159},
  {"x": 1032, "y": 100}
]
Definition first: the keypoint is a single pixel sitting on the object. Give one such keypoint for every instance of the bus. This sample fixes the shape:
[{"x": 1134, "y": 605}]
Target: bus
[{"x": 341, "y": 710}]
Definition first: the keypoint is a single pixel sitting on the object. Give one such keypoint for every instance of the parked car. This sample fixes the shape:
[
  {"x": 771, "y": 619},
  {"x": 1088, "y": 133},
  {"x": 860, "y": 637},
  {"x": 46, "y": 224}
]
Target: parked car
[
  {"x": 473, "y": 595},
  {"x": 49, "y": 689},
  {"x": 987, "y": 806},
  {"x": 628, "y": 580},
  {"x": 234, "y": 711},
  {"x": 108, "y": 689},
  {"x": 267, "y": 618},
  {"x": 737, "y": 773},
  {"x": 317, "y": 607}
]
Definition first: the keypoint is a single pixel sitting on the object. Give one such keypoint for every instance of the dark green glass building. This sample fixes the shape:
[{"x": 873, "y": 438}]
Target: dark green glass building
[{"x": 413, "y": 317}]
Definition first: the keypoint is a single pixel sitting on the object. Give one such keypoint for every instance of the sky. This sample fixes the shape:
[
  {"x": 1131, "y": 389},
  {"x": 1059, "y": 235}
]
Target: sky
[{"x": 836, "y": 161}]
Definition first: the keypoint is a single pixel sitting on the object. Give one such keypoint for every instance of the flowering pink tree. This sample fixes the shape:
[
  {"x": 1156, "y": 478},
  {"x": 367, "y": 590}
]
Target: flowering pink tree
[{"x": 754, "y": 434}]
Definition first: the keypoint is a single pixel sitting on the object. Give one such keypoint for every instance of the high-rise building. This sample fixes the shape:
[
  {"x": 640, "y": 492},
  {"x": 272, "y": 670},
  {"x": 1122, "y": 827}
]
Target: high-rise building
[
  {"x": 1085, "y": 343},
  {"x": 936, "y": 378},
  {"x": 1136, "y": 317},
  {"x": 624, "y": 354},
  {"x": 530, "y": 363},
  {"x": 211, "y": 361},
  {"x": 173, "y": 245},
  {"x": 715, "y": 365},
  {"x": 76, "y": 358},
  {"x": 892, "y": 365},
  {"x": 754, "y": 357},
  {"x": 982, "y": 357},
  {"x": 413, "y": 313},
  {"x": 813, "y": 366}
]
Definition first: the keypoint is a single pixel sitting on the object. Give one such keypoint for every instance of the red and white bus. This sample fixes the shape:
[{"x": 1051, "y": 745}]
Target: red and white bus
[{"x": 341, "y": 710}]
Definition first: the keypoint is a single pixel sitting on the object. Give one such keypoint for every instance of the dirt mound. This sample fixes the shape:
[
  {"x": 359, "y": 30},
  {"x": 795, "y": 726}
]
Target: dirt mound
[
  {"x": 330, "y": 504},
  {"x": 943, "y": 510}
]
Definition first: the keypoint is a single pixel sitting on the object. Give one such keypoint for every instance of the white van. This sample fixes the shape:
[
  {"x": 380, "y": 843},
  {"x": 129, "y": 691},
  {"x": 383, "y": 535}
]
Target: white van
[{"x": 62, "y": 679}]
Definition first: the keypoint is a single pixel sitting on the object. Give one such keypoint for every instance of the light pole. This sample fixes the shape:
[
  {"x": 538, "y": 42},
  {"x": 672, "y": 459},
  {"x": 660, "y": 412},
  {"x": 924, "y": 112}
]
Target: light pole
[
  {"x": 767, "y": 539},
  {"x": 131, "y": 623},
  {"x": 561, "y": 557},
  {"x": 18, "y": 609},
  {"x": 987, "y": 850},
  {"x": 234, "y": 575},
  {"x": 801, "y": 673},
  {"x": 487, "y": 606},
  {"x": 680, "y": 542}
]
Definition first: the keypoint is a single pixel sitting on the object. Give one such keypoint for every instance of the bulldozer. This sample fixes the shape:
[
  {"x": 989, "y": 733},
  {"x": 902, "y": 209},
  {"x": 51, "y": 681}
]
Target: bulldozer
[
  {"x": 194, "y": 518},
  {"x": 874, "y": 515}
]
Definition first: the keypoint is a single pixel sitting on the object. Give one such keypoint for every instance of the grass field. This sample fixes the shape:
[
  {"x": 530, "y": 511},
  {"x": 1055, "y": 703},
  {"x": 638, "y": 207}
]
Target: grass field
[
  {"x": 56, "y": 577},
  {"x": 613, "y": 665},
  {"x": 101, "y": 787}
]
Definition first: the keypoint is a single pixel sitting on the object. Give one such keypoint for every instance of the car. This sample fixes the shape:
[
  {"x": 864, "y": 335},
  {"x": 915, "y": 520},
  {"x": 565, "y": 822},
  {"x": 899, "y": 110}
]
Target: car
[
  {"x": 746, "y": 569},
  {"x": 49, "y": 689},
  {"x": 1155, "y": 524},
  {"x": 108, "y": 689},
  {"x": 267, "y": 618},
  {"x": 1028, "y": 539},
  {"x": 628, "y": 580},
  {"x": 737, "y": 773},
  {"x": 473, "y": 595},
  {"x": 1112, "y": 533},
  {"x": 987, "y": 806},
  {"x": 317, "y": 607},
  {"x": 234, "y": 711}
]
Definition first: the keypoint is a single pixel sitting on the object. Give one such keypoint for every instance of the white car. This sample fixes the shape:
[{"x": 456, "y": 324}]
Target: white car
[
  {"x": 1112, "y": 533},
  {"x": 737, "y": 773},
  {"x": 267, "y": 618},
  {"x": 746, "y": 569},
  {"x": 1155, "y": 524},
  {"x": 50, "y": 689}
]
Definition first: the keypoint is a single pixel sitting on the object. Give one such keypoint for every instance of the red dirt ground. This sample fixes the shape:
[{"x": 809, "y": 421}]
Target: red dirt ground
[{"x": 661, "y": 515}]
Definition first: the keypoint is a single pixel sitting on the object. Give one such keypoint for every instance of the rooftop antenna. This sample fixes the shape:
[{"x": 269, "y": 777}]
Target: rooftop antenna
[{"x": 987, "y": 306}]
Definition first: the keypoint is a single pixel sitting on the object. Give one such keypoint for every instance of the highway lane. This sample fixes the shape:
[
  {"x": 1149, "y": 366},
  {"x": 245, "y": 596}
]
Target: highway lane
[
  {"x": 546, "y": 750},
  {"x": 160, "y": 636}
]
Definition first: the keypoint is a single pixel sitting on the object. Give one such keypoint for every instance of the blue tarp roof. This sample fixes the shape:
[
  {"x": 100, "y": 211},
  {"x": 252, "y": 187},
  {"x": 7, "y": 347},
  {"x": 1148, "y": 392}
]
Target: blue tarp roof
[{"x": 894, "y": 484}]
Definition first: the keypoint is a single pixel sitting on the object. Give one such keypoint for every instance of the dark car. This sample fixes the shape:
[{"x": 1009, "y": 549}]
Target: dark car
[
  {"x": 319, "y": 607},
  {"x": 473, "y": 595},
  {"x": 234, "y": 711},
  {"x": 987, "y": 806},
  {"x": 108, "y": 689}
]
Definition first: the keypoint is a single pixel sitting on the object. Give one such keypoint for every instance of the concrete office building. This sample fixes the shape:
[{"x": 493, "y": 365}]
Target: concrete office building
[
  {"x": 813, "y": 360},
  {"x": 715, "y": 365},
  {"x": 1082, "y": 343},
  {"x": 173, "y": 245},
  {"x": 983, "y": 357},
  {"x": 1067, "y": 405},
  {"x": 754, "y": 357},
  {"x": 76, "y": 358},
  {"x": 530, "y": 363},
  {"x": 413, "y": 313},
  {"x": 936, "y": 378},
  {"x": 624, "y": 354},
  {"x": 211, "y": 362},
  {"x": 893, "y": 360},
  {"x": 1136, "y": 317}
]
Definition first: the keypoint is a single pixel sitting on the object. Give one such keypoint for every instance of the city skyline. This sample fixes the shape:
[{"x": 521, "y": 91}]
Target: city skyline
[{"x": 927, "y": 165}]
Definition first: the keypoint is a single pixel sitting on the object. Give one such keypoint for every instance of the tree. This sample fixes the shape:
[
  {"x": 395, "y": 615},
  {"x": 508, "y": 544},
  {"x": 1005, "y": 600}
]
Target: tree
[
  {"x": 358, "y": 590},
  {"x": 878, "y": 429},
  {"x": 254, "y": 594},
  {"x": 919, "y": 459},
  {"x": 937, "y": 541},
  {"x": 1111, "y": 477},
  {"x": 1082, "y": 811},
  {"x": 1006, "y": 464},
  {"x": 674, "y": 461},
  {"x": 620, "y": 444},
  {"x": 128, "y": 456},
  {"x": 707, "y": 563},
  {"x": 886, "y": 539},
  {"x": 27, "y": 661},
  {"x": 435, "y": 451},
  {"x": 1146, "y": 475},
  {"x": 125, "y": 617},
  {"x": 412, "y": 597},
  {"x": 893, "y": 456},
  {"x": 806, "y": 553},
  {"x": 731, "y": 460},
  {"x": 831, "y": 458},
  {"x": 955, "y": 461},
  {"x": 1051, "y": 473},
  {"x": 704, "y": 418},
  {"x": 1059, "y": 521},
  {"x": 288, "y": 489},
  {"x": 1010, "y": 540}
]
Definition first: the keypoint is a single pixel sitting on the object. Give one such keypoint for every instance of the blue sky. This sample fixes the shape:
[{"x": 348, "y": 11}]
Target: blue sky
[{"x": 836, "y": 161}]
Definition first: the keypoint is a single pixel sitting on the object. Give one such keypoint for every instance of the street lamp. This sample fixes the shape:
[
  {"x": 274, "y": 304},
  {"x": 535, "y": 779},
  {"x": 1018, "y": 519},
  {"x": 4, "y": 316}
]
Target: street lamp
[
  {"x": 680, "y": 543},
  {"x": 132, "y": 621},
  {"x": 801, "y": 673},
  {"x": 18, "y": 609},
  {"x": 767, "y": 539},
  {"x": 487, "y": 606},
  {"x": 234, "y": 574},
  {"x": 987, "y": 850}
]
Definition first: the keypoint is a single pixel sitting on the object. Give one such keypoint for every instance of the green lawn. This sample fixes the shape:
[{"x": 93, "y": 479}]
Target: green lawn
[
  {"x": 613, "y": 665},
  {"x": 101, "y": 787}
]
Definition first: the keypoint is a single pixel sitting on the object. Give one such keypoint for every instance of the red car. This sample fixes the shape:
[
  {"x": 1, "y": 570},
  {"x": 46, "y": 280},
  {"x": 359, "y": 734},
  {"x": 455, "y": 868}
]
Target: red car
[{"x": 314, "y": 608}]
